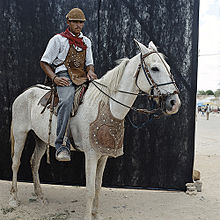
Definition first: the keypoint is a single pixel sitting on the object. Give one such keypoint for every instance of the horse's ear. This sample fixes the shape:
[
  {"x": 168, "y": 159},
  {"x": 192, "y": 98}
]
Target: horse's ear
[
  {"x": 152, "y": 46},
  {"x": 143, "y": 49}
]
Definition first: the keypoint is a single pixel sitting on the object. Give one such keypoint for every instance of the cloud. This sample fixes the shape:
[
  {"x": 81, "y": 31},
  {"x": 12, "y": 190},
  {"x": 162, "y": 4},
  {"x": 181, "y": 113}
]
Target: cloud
[
  {"x": 209, "y": 45},
  {"x": 209, "y": 40},
  {"x": 209, "y": 7},
  {"x": 209, "y": 72}
]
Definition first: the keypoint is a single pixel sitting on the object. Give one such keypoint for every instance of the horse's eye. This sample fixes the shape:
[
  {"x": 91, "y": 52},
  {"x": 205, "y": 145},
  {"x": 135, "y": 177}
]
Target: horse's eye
[{"x": 155, "y": 69}]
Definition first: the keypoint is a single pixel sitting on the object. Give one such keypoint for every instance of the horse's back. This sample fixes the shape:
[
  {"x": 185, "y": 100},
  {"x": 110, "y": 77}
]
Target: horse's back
[
  {"x": 23, "y": 106},
  {"x": 30, "y": 94}
]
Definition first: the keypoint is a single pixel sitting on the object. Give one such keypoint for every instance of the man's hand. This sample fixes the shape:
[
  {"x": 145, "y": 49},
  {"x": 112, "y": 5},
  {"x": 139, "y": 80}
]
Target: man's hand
[
  {"x": 91, "y": 75},
  {"x": 91, "y": 72},
  {"x": 62, "y": 81}
]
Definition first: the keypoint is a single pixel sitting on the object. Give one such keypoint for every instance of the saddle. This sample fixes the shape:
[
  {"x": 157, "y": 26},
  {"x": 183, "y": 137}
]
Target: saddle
[{"x": 45, "y": 101}]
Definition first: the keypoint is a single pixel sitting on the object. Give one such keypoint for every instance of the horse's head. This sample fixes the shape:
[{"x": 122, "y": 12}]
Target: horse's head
[{"x": 154, "y": 78}]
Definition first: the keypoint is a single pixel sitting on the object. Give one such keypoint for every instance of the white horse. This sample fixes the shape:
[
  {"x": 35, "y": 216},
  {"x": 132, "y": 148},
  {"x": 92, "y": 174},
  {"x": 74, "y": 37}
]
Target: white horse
[{"x": 147, "y": 71}]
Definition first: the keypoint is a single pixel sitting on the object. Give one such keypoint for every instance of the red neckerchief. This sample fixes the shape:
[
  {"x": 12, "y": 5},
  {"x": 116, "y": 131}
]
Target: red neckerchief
[{"x": 76, "y": 41}]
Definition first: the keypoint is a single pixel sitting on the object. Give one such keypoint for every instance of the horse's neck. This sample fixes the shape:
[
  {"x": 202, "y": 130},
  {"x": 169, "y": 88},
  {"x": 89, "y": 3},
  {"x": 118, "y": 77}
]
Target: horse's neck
[{"x": 127, "y": 83}]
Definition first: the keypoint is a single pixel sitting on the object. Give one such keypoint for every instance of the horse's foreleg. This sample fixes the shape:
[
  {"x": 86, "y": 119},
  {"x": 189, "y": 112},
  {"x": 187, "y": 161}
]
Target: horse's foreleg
[
  {"x": 98, "y": 184},
  {"x": 39, "y": 151},
  {"x": 91, "y": 166},
  {"x": 17, "y": 146}
]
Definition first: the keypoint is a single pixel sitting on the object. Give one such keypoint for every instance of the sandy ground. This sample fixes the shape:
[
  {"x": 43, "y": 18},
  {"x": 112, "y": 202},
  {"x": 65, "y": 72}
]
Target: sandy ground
[{"x": 67, "y": 202}]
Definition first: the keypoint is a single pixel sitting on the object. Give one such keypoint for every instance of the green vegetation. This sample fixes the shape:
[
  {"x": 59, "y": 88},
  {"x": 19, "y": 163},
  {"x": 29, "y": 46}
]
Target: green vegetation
[
  {"x": 7, "y": 210},
  {"x": 217, "y": 93},
  {"x": 56, "y": 216},
  {"x": 33, "y": 200},
  {"x": 16, "y": 218},
  {"x": 209, "y": 92}
]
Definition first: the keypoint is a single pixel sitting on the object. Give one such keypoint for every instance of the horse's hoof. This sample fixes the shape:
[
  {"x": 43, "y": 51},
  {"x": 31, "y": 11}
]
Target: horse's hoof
[
  {"x": 96, "y": 216},
  {"x": 44, "y": 201},
  {"x": 14, "y": 203}
]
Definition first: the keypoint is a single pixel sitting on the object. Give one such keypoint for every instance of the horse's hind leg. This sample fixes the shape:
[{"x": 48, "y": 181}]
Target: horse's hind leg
[
  {"x": 39, "y": 151},
  {"x": 18, "y": 142}
]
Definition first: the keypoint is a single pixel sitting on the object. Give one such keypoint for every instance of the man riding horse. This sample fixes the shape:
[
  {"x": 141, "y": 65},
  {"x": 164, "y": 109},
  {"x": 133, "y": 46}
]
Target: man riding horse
[
  {"x": 98, "y": 127},
  {"x": 70, "y": 53}
]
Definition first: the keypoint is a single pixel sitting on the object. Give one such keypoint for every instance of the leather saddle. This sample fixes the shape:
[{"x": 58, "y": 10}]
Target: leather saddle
[{"x": 45, "y": 101}]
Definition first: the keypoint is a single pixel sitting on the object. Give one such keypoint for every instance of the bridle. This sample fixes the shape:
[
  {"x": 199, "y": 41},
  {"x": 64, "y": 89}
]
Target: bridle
[
  {"x": 159, "y": 110},
  {"x": 149, "y": 77},
  {"x": 154, "y": 86}
]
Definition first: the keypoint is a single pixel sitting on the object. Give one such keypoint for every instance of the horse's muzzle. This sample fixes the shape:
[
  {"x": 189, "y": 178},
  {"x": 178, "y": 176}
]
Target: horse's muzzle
[{"x": 172, "y": 104}]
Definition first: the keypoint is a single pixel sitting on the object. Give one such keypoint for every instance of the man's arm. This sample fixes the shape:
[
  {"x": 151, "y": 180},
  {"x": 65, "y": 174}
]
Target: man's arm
[
  {"x": 48, "y": 57},
  {"x": 60, "y": 81},
  {"x": 91, "y": 72},
  {"x": 89, "y": 60}
]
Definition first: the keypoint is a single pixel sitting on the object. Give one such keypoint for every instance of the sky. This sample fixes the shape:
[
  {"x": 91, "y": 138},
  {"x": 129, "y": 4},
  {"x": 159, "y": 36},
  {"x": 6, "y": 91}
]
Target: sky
[{"x": 209, "y": 45}]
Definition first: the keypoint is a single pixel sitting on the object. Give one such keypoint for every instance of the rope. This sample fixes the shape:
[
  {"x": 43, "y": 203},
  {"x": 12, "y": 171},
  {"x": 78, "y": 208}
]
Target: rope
[
  {"x": 50, "y": 121},
  {"x": 150, "y": 119},
  {"x": 139, "y": 126}
]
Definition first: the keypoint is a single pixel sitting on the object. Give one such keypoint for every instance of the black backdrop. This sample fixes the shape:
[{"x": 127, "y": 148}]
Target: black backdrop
[{"x": 161, "y": 154}]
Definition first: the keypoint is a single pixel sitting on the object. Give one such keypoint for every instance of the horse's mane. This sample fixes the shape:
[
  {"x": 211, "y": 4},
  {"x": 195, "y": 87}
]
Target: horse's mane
[
  {"x": 113, "y": 77},
  {"x": 111, "y": 81}
]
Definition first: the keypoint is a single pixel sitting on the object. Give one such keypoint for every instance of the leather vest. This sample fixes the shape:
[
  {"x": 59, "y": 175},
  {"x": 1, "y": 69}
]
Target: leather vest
[{"x": 75, "y": 64}]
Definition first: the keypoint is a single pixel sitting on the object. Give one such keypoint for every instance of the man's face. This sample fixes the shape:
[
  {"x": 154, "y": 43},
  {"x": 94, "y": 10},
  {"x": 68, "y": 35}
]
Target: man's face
[{"x": 76, "y": 26}]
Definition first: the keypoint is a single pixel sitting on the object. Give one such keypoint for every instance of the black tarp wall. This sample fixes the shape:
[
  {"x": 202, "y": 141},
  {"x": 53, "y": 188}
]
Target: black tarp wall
[{"x": 161, "y": 154}]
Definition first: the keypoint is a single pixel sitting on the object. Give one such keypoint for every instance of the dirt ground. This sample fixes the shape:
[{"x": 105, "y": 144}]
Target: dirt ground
[{"x": 66, "y": 202}]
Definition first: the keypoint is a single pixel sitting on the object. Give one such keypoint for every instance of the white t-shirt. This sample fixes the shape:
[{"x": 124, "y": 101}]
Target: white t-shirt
[
  {"x": 208, "y": 109},
  {"x": 58, "y": 47}
]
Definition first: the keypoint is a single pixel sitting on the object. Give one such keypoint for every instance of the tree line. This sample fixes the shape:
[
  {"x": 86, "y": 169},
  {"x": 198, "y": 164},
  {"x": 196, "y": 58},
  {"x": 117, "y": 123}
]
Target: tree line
[{"x": 209, "y": 92}]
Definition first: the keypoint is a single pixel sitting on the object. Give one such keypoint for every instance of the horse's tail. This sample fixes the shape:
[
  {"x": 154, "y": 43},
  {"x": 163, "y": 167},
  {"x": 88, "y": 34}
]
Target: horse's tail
[{"x": 12, "y": 141}]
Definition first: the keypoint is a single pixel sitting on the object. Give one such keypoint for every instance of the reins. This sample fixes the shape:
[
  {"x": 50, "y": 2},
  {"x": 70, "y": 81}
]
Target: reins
[
  {"x": 141, "y": 93},
  {"x": 129, "y": 107}
]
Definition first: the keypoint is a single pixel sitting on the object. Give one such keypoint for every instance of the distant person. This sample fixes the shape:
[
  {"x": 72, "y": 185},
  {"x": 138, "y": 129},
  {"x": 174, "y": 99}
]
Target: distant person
[
  {"x": 208, "y": 110},
  {"x": 199, "y": 109},
  {"x": 203, "y": 111}
]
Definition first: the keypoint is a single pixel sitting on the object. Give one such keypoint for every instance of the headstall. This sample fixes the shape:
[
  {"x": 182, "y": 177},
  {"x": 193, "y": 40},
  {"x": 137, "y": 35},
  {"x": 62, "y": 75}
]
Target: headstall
[{"x": 154, "y": 86}]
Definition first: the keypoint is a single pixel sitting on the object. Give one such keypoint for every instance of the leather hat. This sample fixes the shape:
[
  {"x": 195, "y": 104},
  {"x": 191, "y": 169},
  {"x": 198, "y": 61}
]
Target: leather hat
[{"x": 76, "y": 14}]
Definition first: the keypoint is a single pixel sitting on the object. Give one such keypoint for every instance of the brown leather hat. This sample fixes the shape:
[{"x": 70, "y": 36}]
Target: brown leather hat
[{"x": 75, "y": 14}]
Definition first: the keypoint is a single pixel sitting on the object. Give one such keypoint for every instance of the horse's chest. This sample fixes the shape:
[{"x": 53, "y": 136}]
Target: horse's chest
[{"x": 106, "y": 133}]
